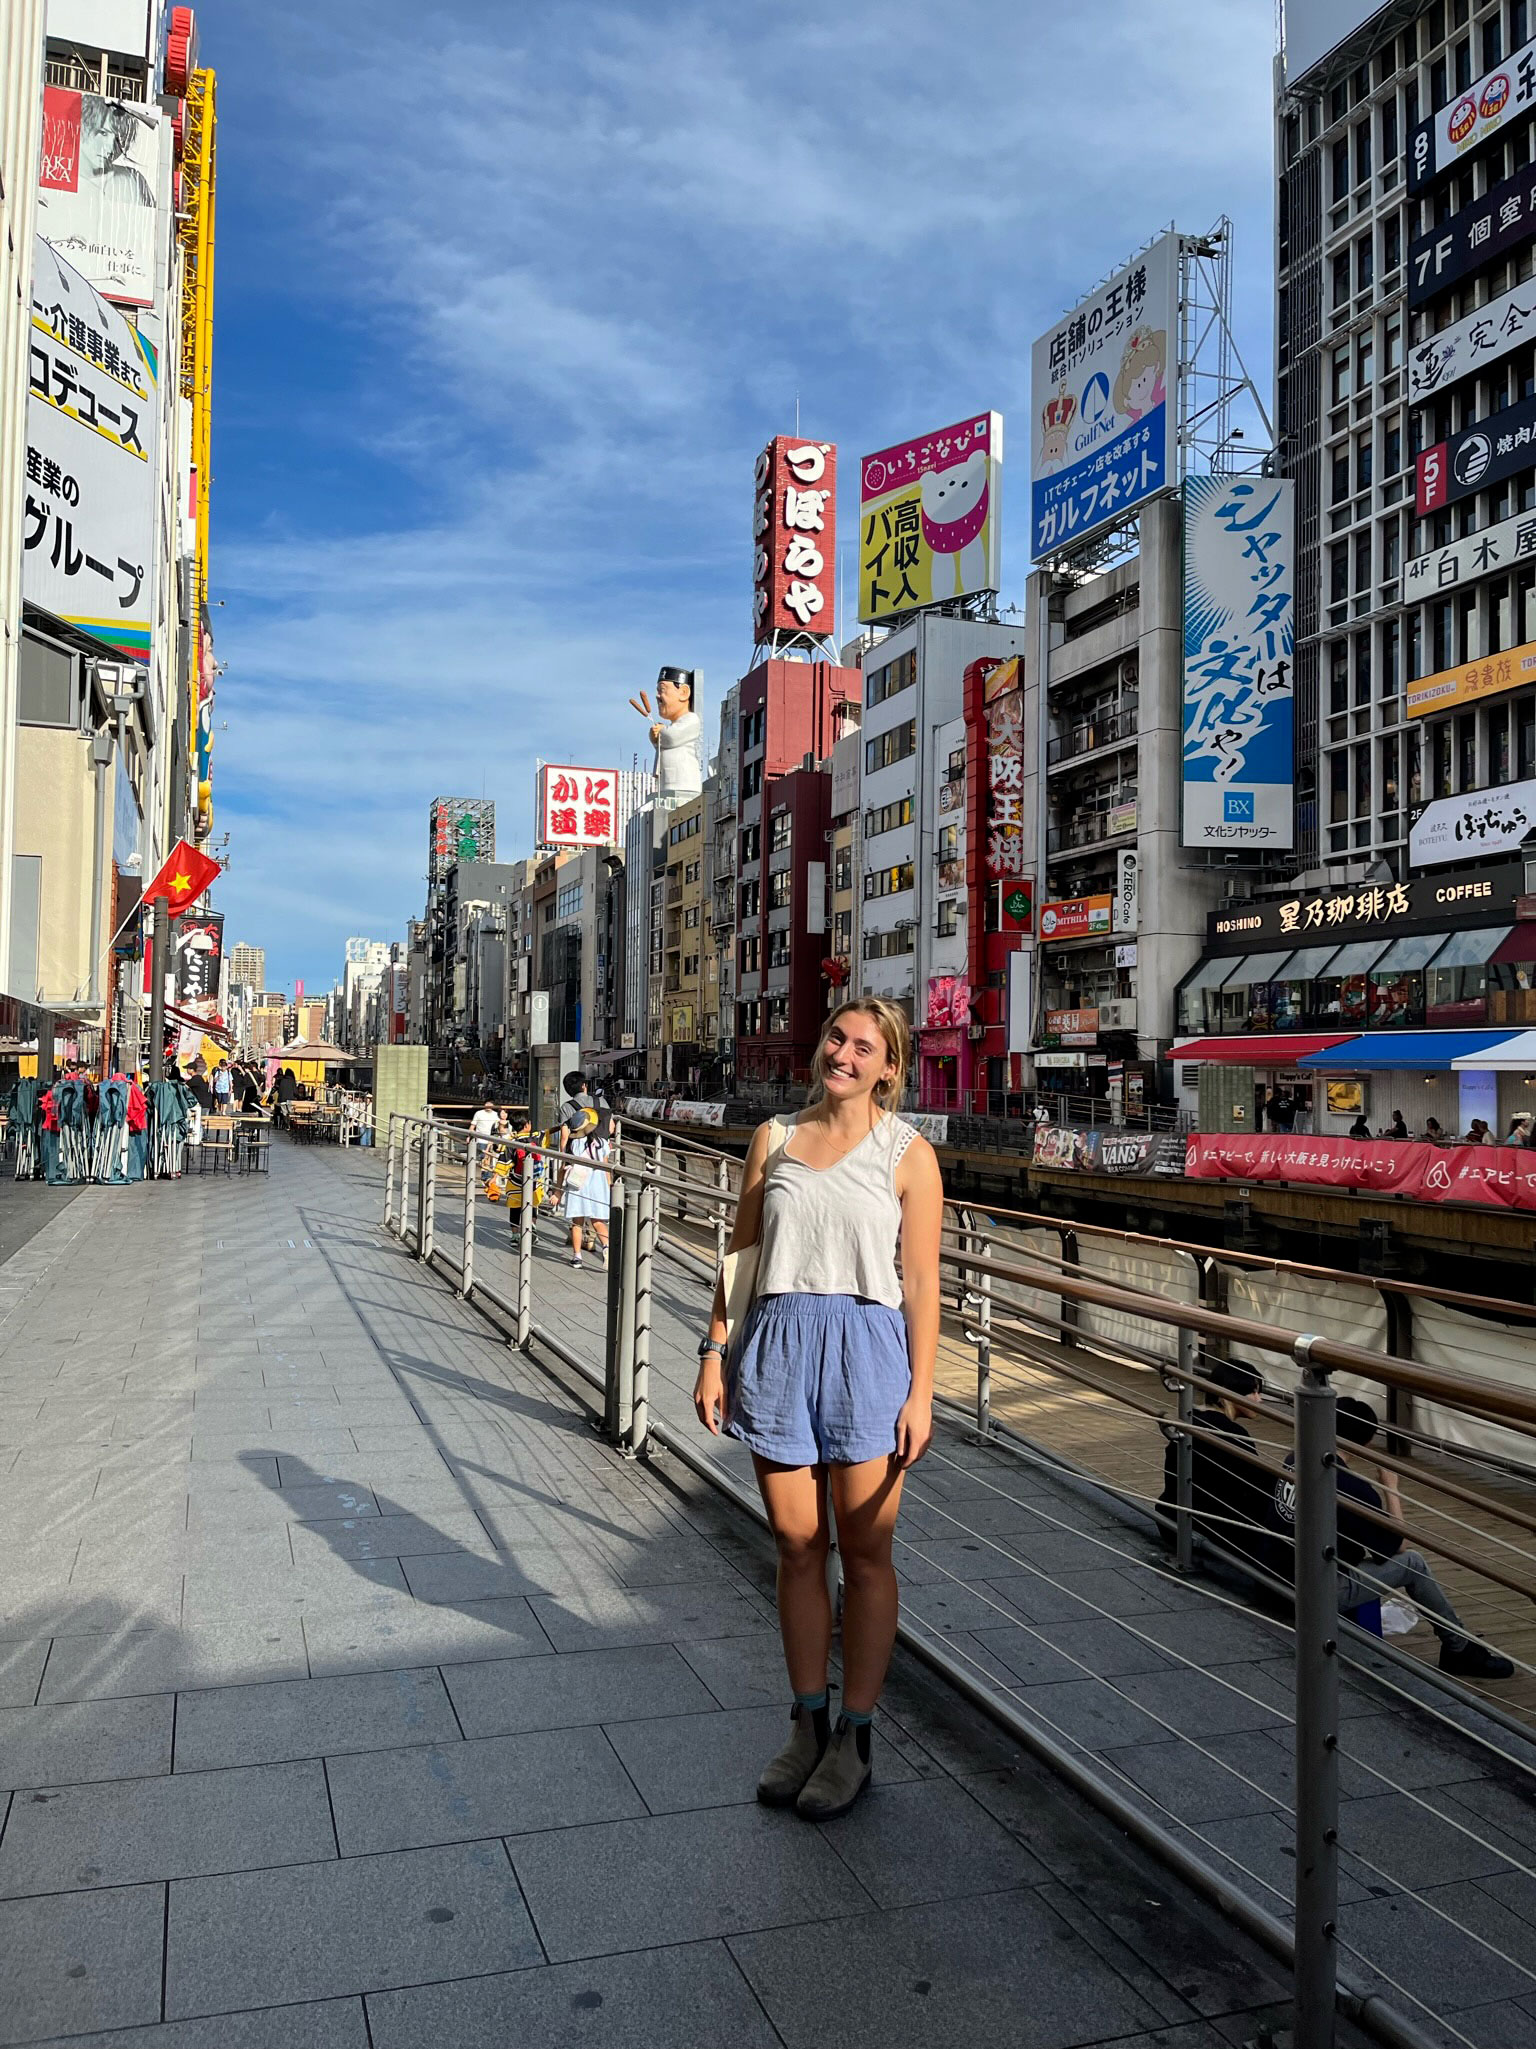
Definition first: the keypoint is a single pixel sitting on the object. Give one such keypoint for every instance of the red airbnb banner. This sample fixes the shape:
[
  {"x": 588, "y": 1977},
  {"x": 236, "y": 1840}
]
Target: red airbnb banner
[{"x": 1501, "y": 1175}]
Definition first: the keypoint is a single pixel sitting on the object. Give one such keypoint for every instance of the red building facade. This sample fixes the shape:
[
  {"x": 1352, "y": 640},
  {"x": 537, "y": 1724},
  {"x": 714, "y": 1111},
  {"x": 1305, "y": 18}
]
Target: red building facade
[{"x": 791, "y": 713}]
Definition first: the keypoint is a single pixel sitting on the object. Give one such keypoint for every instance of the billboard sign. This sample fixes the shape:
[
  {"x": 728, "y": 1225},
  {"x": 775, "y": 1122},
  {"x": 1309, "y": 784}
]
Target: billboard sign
[
  {"x": 1477, "y": 555},
  {"x": 1495, "y": 330},
  {"x": 1470, "y": 681},
  {"x": 1312, "y": 28},
  {"x": 1004, "y": 857},
  {"x": 576, "y": 806},
  {"x": 1480, "y": 455},
  {"x": 794, "y": 538},
  {"x": 1104, "y": 403},
  {"x": 197, "y": 952},
  {"x": 88, "y": 524},
  {"x": 1239, "y": 640},
  {"x": 459, "y": 829},
  {"x": 1469, "y": 120},
  {"x": 930, "y": 519},
  {"x": 1486, "y": 822},
  {"x": 1501, "y": 220},
  {"x": 96, "y": 199},
  {"x": 1079, "y": 917}
]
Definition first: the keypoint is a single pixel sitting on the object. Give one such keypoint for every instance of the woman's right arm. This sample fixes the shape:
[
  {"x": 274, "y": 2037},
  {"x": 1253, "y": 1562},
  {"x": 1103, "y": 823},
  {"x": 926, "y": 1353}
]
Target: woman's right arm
[{"x": 709, "y": 1388}]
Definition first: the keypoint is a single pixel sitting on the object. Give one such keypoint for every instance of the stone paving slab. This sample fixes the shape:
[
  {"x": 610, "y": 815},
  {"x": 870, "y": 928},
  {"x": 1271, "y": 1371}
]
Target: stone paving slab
[{"x": 364, "y": 1794}]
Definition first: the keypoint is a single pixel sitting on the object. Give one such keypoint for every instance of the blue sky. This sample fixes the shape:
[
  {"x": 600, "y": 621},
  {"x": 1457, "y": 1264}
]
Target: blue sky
[{"x": 510, "y": 297}]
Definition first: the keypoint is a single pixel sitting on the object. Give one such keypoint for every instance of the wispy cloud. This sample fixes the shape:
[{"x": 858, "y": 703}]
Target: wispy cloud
[{"x": 509, "y": 302}]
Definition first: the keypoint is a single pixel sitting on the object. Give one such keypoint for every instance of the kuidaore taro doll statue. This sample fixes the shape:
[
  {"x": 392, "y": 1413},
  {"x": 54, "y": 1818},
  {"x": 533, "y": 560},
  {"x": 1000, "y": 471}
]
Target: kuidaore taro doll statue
[{"x": 676, "y": 729}]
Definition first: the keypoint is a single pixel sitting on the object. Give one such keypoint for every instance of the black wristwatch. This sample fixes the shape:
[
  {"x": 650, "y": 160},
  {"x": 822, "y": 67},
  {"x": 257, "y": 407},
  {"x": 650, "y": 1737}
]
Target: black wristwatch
[{"x": 708, "y": 1344}]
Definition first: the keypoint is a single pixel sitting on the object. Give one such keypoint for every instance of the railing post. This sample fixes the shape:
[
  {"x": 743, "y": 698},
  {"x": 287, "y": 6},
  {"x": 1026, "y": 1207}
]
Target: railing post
[
  {"x": 1069, "y": 1310},
  {"x": 428, "y": 1192},
  {"x": 1184, "y": 1458},
  {"x": 618, "y": 1327},
  {"x": 525, "y": 1250},
  {"x": 392, "y": 1161},
  {"x": 983, "y": 1249},
  {"x": 649, "y": 1217},
  {"x": 722, "y": 1205},
  {"x": 682, "y": 1193},
  {"x": 467, "y": 1276},
  {"x": 1317, "y": 1706},
  {"x": 622, "y": 1386}
]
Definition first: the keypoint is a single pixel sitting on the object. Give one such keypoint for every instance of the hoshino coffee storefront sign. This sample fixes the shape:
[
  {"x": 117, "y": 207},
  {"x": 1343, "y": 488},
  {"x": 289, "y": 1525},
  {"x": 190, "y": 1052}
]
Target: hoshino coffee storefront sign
[{"x": 1356, "y": 913}]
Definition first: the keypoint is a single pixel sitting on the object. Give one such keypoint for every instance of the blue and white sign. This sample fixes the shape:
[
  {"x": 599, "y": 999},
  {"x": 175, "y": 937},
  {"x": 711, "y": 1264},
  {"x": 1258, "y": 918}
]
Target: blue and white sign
[
  {"x": 1239, "y": 647},
  {"x": 1105, "y": 403}
]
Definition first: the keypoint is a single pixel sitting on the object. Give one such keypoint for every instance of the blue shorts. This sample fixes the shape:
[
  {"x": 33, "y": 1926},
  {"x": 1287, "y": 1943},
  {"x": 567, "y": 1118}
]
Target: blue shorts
[{"x": 818, "y": 1380}]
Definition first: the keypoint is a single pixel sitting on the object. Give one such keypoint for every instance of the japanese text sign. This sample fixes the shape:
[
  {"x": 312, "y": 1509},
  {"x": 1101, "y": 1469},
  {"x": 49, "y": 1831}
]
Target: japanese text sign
[
  {"x": 1475, "y": 555},
  {"x": 1504, "y": 217},
  {"x": 1002, "y": 697},
  {"x": 930, "y": 519},
  {"x": 197, "y": 950},
  {"x": 96, "y": 195},
  {"x": 794, "y": 539},
  {"x": 1468, "y": 120},
  {"x": 1469, "y": 681},
  {"x": 88, "y": 506},
  {"x": 1486, "y": 822},
  {"x": 1476, "y": 457},
  {"x": 576, "y": 806},
  {"x": 1104, "y": 403},
  {"x": 1239, "y": 641},
  {"x": 1346, "y": 913},
  {"x": 1081, "y": 917},
  {"x": 1495, "y": 330}
]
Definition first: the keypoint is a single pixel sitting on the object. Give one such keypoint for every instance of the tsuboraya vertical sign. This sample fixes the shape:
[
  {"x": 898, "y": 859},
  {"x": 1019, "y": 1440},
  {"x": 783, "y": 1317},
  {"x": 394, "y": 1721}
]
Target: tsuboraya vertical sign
[
  {"x": 1239, "y": 640},
  {"x": 794, "y": 538}
]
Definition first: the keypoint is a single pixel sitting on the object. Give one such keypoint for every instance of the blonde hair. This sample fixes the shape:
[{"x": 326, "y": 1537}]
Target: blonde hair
[{"x": 891, "y": 1020}]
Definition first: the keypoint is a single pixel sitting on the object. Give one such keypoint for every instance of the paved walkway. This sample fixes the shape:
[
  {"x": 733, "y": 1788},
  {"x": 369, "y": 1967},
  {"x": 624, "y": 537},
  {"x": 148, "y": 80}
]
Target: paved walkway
[
  {"x": 1175, "y": 1690},
  {"x": 353, "y": 1695}
]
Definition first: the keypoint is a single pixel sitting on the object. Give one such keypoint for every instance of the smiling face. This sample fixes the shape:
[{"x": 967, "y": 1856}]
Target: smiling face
[
  {"x": 854, "y": 1057},
  {"x": 672, "y": 699}
]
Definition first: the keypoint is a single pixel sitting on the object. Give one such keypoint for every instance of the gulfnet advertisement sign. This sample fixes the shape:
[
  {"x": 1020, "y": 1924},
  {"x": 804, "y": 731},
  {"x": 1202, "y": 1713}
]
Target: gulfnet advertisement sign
[
  {"x": 1104, "y": 407},
  {"x": 1239, "y": 640}
]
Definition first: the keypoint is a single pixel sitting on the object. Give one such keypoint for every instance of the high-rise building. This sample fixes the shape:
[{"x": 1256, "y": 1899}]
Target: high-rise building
[
  {"x": 247, "y": 966},
  {"x": 790, "y": 715}
]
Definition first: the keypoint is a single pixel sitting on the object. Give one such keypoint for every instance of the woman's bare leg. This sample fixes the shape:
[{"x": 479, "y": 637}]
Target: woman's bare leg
[
  {"x": 866, "y": 1498},
  {"x": 796, "y": 1500}
]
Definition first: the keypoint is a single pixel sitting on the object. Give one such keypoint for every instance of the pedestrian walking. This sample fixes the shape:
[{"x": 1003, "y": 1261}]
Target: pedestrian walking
[
  {"x": 830, "y": 1376},
  {"x": 223, "y": 1089},
  {"x": 588, "y": 1189}
]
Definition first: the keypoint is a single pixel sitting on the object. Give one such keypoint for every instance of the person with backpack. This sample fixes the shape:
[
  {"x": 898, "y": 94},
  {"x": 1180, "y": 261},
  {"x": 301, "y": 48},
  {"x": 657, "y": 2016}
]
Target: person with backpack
[{"x": 588, "y": 1189}]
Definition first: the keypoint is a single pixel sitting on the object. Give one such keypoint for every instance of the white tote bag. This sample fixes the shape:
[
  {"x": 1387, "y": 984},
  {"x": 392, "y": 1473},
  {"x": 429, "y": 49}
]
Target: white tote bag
[{"x": 739, "y": 1270}]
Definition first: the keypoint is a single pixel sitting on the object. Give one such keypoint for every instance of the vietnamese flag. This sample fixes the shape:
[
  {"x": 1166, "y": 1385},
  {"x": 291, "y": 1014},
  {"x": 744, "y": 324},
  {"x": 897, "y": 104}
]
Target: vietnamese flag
[{"x": 183, "y": 878}]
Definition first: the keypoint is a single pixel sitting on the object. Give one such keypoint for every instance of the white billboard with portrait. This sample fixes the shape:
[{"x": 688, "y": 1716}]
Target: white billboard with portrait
[
  {"x": 97, "y": 190},
  {"x": 1104, "y": 406}
]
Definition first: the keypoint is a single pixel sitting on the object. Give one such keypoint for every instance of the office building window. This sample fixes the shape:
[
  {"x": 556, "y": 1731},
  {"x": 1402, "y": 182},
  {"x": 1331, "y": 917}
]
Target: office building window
[
  {"x": 887, "y": 817},
  {"x": 780, "y": 889},
  {"x": 888, "y": 881},
  {"x": 780, "y": 828},
  {"x": 884, "y": 682},
  {"x": 891, "y": 746},
  {"x": 886, "y": 945}
]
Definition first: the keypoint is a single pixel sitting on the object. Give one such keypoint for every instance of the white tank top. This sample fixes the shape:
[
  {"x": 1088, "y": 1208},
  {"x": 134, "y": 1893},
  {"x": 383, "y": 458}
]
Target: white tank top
[{"x": 833, "y": 1230}]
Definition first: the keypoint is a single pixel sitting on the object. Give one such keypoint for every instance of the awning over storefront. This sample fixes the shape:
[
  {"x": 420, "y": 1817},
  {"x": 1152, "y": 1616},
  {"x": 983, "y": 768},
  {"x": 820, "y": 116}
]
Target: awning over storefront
[
  {"x": 1474, "y": 949},
  {"x": 1518, "y": 944},
  {"x": 1260, "y": 1049},
  {"x": 1390, "y": 1052},
  {"x": 1413, "y": 950},
  {"x": 1517, "y": 1055}
]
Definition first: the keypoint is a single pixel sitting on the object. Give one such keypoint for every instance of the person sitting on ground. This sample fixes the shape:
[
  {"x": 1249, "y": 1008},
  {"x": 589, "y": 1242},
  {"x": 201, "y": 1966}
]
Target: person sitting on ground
[
  {"x": 1372, "y": 1560},
  {"x": 1360, "y": 1129},
  {"x": 1230, "y": 1498}
]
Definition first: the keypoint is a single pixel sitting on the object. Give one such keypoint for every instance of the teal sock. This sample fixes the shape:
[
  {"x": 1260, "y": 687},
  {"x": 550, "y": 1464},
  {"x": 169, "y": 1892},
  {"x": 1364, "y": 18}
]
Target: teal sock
[
  {"x": 812, "y": 1700},
  {"x": 859, "y": 1721}
]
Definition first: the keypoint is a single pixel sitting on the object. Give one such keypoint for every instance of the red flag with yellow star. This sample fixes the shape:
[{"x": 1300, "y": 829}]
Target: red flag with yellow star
[{"x": 184, "y": 877}]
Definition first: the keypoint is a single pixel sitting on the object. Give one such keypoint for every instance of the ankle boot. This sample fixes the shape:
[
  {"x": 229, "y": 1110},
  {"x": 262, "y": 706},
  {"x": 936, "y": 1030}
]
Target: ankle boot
[
  {"x": 841, "y": 1776},
  {"x": 783, "y": 1779}
]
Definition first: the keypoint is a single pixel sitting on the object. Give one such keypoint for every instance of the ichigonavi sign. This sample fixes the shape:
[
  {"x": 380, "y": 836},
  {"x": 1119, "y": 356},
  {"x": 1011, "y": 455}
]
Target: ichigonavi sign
[{"x": 931, "y": 519}]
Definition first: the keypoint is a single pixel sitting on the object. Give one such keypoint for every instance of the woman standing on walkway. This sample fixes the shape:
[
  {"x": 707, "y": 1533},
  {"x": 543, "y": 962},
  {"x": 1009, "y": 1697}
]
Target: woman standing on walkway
[{"x": 830, "y": 1383}]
